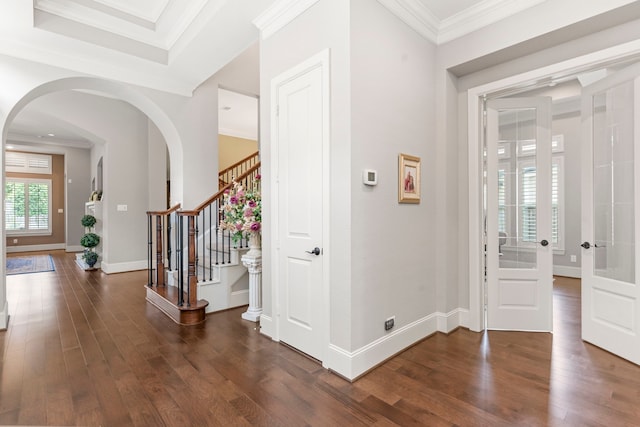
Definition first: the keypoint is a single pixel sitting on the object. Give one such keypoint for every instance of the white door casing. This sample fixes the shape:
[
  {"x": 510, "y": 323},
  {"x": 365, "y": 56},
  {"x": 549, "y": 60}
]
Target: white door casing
[
  {"x": 301, "y": 140},
  {"x": 611, "y": 213},
  {"x": 520, "y": 266}
]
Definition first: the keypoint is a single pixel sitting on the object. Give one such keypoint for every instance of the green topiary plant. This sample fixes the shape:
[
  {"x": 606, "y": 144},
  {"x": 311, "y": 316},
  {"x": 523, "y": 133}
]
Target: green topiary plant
[
  {"x": 90, "y": 257},
  {"x": 90, "y": 240},
  {"x": 88, "y": 221}
]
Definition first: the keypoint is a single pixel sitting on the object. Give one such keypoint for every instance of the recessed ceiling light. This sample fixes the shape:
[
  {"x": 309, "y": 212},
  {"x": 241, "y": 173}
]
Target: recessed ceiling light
[{"x": 51, "y": 134}]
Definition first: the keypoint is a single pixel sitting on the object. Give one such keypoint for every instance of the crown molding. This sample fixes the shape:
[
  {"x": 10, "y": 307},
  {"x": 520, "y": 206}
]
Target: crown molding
[
  {"x": 481, "y": 15},
  {"x": 280, "y": 14},
  {"x": 417, "y": 16}
]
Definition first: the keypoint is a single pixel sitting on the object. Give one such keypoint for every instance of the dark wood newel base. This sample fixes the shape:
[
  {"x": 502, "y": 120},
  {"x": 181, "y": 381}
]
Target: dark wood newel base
[{"x": 165, "y": 298}]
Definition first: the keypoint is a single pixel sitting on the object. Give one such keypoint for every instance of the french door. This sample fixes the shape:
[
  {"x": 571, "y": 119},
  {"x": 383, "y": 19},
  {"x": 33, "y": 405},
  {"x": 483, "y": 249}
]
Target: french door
[
  {"x": 519, "y": 252},
  {"x": 610, "y": 214}
]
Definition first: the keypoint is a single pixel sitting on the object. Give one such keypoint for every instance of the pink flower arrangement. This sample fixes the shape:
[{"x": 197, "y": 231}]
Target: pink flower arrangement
[{"x": 242, "y": 210}]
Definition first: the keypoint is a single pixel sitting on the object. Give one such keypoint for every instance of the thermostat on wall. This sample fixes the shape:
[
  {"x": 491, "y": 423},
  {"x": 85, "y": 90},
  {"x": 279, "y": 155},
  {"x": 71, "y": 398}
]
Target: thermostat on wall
[{"x": 369, "y": 177}]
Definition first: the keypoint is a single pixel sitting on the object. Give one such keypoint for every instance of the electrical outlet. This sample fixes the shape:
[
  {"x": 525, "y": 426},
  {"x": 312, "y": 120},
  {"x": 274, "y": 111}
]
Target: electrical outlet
[
  {"x": 388, "y": 324},
  {"x": 15, "y": 240}
]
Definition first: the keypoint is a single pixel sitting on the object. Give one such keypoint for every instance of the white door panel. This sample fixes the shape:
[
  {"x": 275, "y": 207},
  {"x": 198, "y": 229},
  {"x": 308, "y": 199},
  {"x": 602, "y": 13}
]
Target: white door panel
[
  {"x": 518, "y": 208},
  {"x": 300, "y": 134},
  {"x": 610, "y": 214}
]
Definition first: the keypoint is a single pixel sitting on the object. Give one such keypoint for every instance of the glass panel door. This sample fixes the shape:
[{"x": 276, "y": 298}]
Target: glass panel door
[{"x": 613, "y": 189}]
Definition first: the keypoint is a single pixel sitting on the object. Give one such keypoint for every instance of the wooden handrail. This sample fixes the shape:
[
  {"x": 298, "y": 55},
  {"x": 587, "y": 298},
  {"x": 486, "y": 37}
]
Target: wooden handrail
[
  {"x": 166, "y": 212},
  {"x": 238, "y": 163},
  {"x": 203, "y": 221},
  {"x": 220, "y": 193}
]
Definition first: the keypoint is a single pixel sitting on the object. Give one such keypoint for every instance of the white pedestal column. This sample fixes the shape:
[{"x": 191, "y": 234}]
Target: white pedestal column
[{"x": 253, "y": 261}]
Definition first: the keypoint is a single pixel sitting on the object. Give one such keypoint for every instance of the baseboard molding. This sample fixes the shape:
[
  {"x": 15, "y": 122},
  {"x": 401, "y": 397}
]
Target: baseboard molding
[
  {"x": 563, "y": 270},
  {"x": 267, "y": 326},
  {"x": 122, "y": 267},
  {"x": 448, "y": 322},
  {"x": 353, "y": 364},
  {"x": 4, "y": 316},
  {"x": 30, "y": 248},
  {"x": 464, "y": 317}
]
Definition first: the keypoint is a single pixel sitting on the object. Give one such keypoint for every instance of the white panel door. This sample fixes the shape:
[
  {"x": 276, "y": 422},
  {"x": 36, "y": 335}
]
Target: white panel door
[
  {"x": 301, "y": 135},
  {"x": 519, "y": 252},
  {"x": 610, "y": 214}
]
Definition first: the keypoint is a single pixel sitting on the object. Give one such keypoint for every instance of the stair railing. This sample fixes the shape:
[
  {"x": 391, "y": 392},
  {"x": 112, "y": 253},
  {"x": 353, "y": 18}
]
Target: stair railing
[
  {"x": 206, "y": 243},
  {"x": 188, "y": 244},
  {"x": 239, "y": 168},
  {"x": 161, "y": 241}
]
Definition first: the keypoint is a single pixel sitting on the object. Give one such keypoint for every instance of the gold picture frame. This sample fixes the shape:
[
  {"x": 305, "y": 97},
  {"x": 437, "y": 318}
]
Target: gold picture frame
[{"x": 408, "y": 179}]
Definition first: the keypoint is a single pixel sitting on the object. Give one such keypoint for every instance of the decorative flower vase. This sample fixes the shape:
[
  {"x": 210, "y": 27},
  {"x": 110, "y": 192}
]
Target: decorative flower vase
[{"x": 255, "y": 244}]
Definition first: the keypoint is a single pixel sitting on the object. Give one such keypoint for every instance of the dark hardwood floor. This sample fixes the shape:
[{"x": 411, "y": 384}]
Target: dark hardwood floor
[{"x": 84, "y": 348}]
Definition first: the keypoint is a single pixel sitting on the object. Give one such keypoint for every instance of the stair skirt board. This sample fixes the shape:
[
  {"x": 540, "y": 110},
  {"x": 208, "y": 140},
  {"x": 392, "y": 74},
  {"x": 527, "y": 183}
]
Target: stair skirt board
[{"x": 222, "y": 296}]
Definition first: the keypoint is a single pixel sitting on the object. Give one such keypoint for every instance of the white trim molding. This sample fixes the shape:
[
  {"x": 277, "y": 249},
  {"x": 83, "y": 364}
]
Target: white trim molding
[
  {"x": 280, "y": 14},
  {"x": 448, "y": 322},
  {"x": 353, "y": 364},
  {"x": 417, "y": 16},
  {"x": 29, "y": 248},
  {"x": 567, "y": 271},
  {"x": 121, "y": 267},
  {"x": 4, "y": 316}
]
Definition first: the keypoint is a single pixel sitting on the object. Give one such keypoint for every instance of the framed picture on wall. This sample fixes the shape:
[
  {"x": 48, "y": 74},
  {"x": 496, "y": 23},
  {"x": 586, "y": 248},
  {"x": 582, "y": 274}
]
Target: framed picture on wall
[{"x": 408, "y": 179}]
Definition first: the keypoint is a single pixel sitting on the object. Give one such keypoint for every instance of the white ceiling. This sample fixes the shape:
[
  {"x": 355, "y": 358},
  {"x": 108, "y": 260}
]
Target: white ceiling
[{"x": 175, "y": 45}]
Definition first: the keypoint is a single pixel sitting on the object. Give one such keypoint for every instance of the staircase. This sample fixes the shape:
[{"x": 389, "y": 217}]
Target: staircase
[{"x": 194, "y": 267}]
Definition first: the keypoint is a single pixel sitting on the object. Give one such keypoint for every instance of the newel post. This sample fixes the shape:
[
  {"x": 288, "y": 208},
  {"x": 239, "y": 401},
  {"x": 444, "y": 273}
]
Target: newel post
[
  {"x": 159, "y": 260},
  {"x": 192, "y": 279}
]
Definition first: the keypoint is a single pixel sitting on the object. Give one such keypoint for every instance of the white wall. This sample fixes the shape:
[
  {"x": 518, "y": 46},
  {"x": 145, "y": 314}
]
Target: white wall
[
  {"x": 382, "y": 254},
  {"x": 324, "y": 25},
  {"x": 157, "y": 155},
  {"x": 394, "y": 245},
  {"x": 125, "y": 166}
]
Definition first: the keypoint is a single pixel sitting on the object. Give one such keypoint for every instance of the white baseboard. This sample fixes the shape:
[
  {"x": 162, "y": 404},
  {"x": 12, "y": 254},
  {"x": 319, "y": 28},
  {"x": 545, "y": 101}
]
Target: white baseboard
[
  {"x": 464, "y": 317},
  {"x": 447, "y": 322},
  {"x": 353, "y": 364},
  {"x": 121, "y": 267},
  {"x": 564, "y": 270},
  {"x": 267, "y": 326},
  {"x": 30, "y": 248},
  {"x": 4, "y": 316}
]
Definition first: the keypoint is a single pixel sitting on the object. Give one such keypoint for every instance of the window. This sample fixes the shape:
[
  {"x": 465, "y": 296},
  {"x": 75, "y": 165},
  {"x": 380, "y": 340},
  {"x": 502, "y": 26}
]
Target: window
[
  {"x": 27, "y": 206},
  {"x": 527, "y": 186},
  {"x": 28, "y": 163},
  {"x": 526, "y": 214}
]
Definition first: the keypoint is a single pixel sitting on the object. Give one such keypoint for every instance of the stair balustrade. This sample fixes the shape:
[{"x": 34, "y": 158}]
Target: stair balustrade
[
  {"x": 236, "y": 170},
  {"x": 200, "y": 244}
]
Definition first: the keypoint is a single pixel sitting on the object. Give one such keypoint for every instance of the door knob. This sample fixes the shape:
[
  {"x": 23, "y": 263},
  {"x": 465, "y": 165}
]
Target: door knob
[
  {"x": 587, "y": 245},
  {"x": 544, "y": 242},
  {"x": 315, "y": 251}
]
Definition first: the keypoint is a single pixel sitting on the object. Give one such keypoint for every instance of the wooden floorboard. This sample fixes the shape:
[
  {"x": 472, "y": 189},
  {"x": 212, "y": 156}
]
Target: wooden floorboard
[{"x": 85, "y": 348}]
